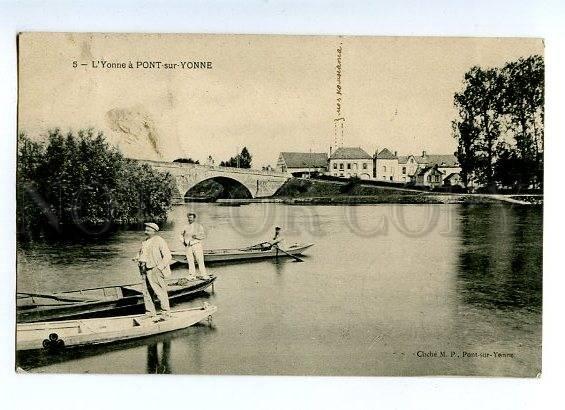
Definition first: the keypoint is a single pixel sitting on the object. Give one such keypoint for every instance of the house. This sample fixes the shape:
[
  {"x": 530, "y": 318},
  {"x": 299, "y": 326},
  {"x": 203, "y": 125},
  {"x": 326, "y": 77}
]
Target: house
[
  {"x": 347, "y": 162},
  {"x": 447, "y": 163},
  {"x": 453, "y": 179},
  {"x": 386, "y": 166},
  {"x": 429, "y": 176},
  {"x": 405, "y": 168},
  {"x": 302, "y": 164}
]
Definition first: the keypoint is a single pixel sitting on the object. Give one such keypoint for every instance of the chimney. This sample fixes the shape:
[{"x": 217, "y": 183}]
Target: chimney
[
  {"x": 423, "y": 153},
  {"x": 395, "y": 153}
]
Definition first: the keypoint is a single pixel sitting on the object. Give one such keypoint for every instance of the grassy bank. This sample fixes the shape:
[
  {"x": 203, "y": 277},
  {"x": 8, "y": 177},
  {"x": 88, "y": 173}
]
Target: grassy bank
[{"x": 308, "y": 191}]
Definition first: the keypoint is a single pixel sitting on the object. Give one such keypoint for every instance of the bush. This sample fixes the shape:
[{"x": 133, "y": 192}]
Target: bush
[{"x": 81, "y": 182}]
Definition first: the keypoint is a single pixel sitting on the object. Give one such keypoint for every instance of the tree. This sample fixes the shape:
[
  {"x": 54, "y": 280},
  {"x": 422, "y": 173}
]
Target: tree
[
  {"x": 80, "y": 181},
  {"x": 242, "y": 160},
  {"x": 496, "y": 106},
  {"x": 483, "y": 90},
  {"x": 467, "y": 135},
  {"x": 186, "y": 161},
  {"x": 523, "y": 104}
]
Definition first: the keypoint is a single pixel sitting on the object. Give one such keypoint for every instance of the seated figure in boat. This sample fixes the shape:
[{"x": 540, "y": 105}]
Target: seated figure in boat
[
  {"x": 276, "y": 242},
  {"x": 192, "y": 237},
  {"x": 153, "y": 260}
]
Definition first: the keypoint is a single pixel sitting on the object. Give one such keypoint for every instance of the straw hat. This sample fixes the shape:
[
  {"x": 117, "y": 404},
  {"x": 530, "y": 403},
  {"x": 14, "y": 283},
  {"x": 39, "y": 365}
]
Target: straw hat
[{"x": 152, "y": 225}]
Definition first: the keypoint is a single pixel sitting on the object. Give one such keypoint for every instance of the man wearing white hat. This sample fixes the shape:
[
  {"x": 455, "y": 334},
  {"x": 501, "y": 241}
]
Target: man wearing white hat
[
  {"x": 154, "y": 258},
  {"x": 192, "y": 237}
]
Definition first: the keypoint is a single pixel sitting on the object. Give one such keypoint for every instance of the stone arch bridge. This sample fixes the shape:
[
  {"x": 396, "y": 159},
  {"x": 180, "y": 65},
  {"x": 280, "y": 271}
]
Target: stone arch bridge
[{"x": 258, "y": 183}]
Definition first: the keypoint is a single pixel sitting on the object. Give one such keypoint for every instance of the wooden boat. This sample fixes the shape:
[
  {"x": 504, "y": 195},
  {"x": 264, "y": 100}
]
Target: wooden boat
[
  {"x": 69, "y": 333},
  {"x": 251, "y": 253},
  {"x": 96, "y": 302}
]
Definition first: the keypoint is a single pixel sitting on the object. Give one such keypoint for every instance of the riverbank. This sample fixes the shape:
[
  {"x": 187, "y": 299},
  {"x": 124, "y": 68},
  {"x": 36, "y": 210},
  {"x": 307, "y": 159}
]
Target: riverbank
[{"x": 315, "y": 192}]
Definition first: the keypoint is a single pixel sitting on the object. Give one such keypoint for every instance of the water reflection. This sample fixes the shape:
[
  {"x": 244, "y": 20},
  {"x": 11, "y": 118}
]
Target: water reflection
[
  {"x": 159, "y": 363},
  {"x": 500, "y": 260}
]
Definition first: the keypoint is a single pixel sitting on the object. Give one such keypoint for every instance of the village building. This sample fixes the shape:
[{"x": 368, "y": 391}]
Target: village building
[
  {"x": 385, "y": 165},
  {"x": 348, "y": 162},
  {"x": 453, "y": 179},
  {"x": 405, "y": 169},
  {"x": 429, "y": 176},
  {"x": 302, "y": 164}
]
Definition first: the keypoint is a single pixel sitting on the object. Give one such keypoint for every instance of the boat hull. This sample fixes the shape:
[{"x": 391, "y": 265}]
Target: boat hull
[
  {"x": 240, "y": 255},
  {"x": 71, "y": 333},
  {"x": 129, "y": 299}
]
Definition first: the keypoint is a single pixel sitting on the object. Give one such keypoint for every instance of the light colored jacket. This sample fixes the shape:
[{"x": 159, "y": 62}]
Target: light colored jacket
[
  {"x": 193, "y": 233},
  {"x": 156, "y": 254}
]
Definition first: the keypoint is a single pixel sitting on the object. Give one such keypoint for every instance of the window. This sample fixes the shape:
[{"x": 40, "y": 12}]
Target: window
[
  {"x": 355, "y": 165},
  {"x": 404, "y": 170},
  {"x": 384, "y": 169},
  {"x": 364, "y": 165},
  {"x": 391, "y": 178},
  {"x": 341, "y": 166},
  {"x": 429, "y": 178},
  {"x": 335, "y": 165},
  {"x": 348, "y": 165},
  {"x": 341, "y": 174},
  {"x": 335, "y": 174}
]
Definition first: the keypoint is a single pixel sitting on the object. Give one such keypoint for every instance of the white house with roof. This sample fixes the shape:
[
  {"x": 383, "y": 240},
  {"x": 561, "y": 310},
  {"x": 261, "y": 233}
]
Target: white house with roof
[
  {"x": 386, "y": 166},
  {"x": 302, "y": 164},
  {"x": 429, "y": 176},
  {"x": 405, "y": 168},
  {"x": 347, "y": 162}
]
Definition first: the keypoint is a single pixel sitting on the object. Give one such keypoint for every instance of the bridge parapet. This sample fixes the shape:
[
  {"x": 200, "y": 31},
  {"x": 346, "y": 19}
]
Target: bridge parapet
[
  {"x": 166, "y": 164},
  {"x": 259, "y": 183}
]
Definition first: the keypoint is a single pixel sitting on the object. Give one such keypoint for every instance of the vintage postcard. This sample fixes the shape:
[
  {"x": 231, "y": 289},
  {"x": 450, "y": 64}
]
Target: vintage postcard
[{"x": 279, "y": 205}]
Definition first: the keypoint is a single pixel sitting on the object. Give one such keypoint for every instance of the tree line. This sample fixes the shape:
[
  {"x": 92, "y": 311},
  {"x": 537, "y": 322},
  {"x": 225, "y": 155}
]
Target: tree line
[
  {"x": 500, "y": 125},
  {"x": 241, "y": 160},
  {"x": 79, "y": 181}
]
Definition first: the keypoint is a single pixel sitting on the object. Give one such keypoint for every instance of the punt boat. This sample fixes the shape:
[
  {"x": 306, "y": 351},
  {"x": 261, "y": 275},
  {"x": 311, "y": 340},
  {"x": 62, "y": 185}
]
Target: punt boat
[
  {"x": 98, "y": 302},
  {"x": 71, "y": 333},
  {"x": 251, "y": 253}
]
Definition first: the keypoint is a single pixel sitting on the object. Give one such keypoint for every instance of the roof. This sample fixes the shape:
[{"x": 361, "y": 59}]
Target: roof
[
  {"x": 305, "y": 159},
  {"x": 350, "y": 153},
  {"x": 403, "y": 159},
  {"x": 452, "y": 175},
  {"x": 444, "y": 160},
  {"x": 424, "y": 170},
  {"x": 386, "y": 154}
]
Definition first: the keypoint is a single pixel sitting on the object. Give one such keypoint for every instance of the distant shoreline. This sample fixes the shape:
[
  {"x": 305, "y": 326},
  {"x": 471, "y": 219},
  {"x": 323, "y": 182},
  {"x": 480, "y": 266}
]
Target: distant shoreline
[{"x": 425, "y": 198}]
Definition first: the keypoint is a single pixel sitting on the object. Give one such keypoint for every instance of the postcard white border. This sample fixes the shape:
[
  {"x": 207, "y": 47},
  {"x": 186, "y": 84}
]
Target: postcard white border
[{"x": 439, "y": 18}]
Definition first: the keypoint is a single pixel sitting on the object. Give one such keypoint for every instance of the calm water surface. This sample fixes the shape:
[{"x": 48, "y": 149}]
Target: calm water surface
[{"x": 384, "y": 286}]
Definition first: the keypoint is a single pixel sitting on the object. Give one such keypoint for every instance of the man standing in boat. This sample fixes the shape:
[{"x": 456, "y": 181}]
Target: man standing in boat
[
  {"x": 192, "y": 238},
  {"x": 153, "y": 260},
  {"x": 276, "y": 241}
]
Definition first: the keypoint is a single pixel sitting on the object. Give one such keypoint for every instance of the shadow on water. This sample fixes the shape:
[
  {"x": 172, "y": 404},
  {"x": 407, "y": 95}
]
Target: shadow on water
[
  {"x": 156, "y": 363},
  {"x": 500, "y": 259}
]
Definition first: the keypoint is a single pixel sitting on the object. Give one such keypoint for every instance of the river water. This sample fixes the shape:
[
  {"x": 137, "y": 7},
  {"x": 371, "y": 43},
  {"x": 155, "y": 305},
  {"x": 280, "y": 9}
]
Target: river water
[{"x": 384, "y": 290}]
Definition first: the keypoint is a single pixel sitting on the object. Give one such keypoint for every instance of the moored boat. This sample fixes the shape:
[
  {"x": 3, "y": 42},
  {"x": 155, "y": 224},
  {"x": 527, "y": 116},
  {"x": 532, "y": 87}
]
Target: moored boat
[
  {"x": 96, "y": 302},
  {"x": 83, "y": 332},
  {"x": 251, "y": 253}
]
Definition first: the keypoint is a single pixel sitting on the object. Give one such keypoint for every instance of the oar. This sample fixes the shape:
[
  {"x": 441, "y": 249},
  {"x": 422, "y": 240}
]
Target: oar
[
  {"x": 258, "y": 247},
  {"x": 60, "y": 297},
  {"x": 291, "y": 255}
]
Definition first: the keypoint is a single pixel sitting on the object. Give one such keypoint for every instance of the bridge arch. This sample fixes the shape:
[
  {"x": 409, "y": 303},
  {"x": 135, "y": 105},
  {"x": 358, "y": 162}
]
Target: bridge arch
[
  {"x": 257, "y": 182},
  {"x": 219, "y": 187}
]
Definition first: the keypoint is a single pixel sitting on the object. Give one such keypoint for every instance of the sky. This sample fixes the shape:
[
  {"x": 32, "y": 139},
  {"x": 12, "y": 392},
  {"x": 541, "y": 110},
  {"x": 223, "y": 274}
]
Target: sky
[{"x": 268, "y": 93}]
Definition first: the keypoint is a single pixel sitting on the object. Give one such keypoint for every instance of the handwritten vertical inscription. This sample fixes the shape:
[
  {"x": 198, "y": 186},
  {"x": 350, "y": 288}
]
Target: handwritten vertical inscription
[{"x": 339, "y": 120}]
